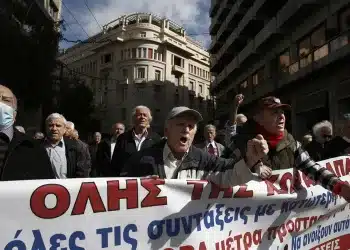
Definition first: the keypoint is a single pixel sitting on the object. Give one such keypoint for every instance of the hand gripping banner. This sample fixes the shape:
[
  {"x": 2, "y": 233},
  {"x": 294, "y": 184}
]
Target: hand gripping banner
[{"x": 94, "y": 214}]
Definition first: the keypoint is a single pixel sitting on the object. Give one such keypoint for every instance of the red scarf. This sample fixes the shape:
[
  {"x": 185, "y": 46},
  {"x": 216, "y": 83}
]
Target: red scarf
[{"x": 272, "y": 139}]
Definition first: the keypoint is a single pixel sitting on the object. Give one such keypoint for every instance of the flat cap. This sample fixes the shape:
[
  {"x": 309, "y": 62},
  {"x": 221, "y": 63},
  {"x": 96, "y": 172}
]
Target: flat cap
[{"x": 179, "y": 111}]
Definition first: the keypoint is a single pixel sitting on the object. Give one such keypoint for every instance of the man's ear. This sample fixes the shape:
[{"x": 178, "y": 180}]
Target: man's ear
[{"x": 14, "y": 115}]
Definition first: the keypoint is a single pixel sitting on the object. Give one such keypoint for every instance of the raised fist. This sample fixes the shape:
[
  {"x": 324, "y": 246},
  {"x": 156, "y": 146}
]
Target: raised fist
[
  {"x": 239, "y": 99},
  {"x": 257, "y": 148}
]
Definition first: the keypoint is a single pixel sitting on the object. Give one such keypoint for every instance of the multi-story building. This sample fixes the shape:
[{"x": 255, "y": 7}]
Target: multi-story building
[
  {"x": 51, "y": 8},
  {"x": 295, "y": 49},
  {"x": 142, "y": 59},
  {"x": 21, "y": 22}
]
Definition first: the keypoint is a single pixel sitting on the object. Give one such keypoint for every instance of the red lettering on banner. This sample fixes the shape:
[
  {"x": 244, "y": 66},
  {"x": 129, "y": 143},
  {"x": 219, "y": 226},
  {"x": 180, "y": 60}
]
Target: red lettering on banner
[
  {"x": 339, "y": 167},
  {"x": 202, "y": 246},
  {"x": 271, "y": 189},
  {"x": 152, "y": 199},
  {"x": 115, "y": 194},
  {"x": 88, "y": 192},
  {"x": 308, "y": 182},
  {"x": 347, "y": 166},
  {"x": 37, "y": 201},
  {"x": 330, "y": 167},
  {"x": 216, "y": 190},
  {"x": 198, "y": 187},
  {"x": 283, "y": 183},
  {"x": 243, "y": 192}
]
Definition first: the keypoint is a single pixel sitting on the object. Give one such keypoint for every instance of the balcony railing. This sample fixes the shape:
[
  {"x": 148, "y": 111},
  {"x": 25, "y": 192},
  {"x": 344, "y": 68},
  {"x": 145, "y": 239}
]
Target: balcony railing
[{"x": 318, "y": 53}]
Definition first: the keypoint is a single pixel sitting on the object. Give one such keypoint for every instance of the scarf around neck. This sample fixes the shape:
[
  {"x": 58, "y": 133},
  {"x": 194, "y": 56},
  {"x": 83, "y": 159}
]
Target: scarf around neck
[{"x": 272, "y": 139}]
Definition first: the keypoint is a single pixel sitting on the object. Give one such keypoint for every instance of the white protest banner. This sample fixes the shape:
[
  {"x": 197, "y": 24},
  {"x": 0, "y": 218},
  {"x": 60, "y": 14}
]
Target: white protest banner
[{"x": 174, "y": 214}]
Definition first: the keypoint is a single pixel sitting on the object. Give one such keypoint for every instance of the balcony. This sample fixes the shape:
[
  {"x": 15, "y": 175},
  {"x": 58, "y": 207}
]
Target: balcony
[
  {"x": 140, "y": 80},
  {"x": 178, "y": 69}
]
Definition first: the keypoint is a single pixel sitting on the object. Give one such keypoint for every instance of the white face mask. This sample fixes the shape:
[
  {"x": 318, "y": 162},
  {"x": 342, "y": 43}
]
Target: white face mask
[{"x": 6, "y": 116}]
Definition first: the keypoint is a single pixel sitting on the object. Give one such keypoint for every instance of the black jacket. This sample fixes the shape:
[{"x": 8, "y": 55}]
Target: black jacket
[
  {"x": 78, "y": 162},
  {"x": 197, "y": 164},
  {"x": 26, "y": 159},
  {"x": 103, "y": 159},
  {"x": 125, "y": 147}
]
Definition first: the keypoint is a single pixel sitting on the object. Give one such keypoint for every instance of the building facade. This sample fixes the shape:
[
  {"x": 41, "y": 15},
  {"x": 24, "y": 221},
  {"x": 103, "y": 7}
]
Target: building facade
[
  {"x": 296, "y": 49},
  {"x": 142, "y": 59}
]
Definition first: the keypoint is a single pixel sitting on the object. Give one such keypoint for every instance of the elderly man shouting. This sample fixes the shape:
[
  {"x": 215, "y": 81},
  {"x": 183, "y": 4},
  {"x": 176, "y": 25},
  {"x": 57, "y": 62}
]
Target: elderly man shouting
[{"x": 176, "y": 158}]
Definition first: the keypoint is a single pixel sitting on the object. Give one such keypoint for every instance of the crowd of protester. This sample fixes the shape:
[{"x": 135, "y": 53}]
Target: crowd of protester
[{"x": 254, "y": 145}]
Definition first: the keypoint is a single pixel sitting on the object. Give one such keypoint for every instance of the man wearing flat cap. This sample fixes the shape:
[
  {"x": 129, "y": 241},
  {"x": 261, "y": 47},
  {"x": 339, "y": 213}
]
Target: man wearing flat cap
[
  {"x": 176, "y": 158},
  {"x": 268, "y": 122}
]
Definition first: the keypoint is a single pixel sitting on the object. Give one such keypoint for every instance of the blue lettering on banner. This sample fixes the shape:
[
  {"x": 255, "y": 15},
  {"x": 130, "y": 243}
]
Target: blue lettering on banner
[
  {"x": 55, "y": 241},
  {"x": 324, "y": 199},
  {"x": 319, "y": 233},
  {"x": 119, "y": 236},
  {"x": 208, "y": 219},
  {"x": 263, "y": 210}
]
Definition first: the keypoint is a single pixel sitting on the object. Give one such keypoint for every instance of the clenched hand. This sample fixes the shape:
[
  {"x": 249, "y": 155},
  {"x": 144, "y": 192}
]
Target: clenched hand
[{"x": 257, "y": 148}]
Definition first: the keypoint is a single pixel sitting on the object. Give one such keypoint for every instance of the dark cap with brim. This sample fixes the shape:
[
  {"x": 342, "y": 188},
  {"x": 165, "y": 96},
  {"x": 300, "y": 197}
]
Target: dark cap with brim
[
  {"x": 181, "y": 111},
  {"x": 272, "y": 102}
]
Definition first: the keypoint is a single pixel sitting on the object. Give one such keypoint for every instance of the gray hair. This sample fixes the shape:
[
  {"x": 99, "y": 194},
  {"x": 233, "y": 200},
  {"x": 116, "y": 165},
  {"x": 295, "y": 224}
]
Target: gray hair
[
  {"x": 55, "y": 116},
  {"x": 20, "y": 129},
  {"x": 133, "y": 113},
  {"x": 97, "y": 133},
  {"x": 70, "y": 125},
  {"x": 209, "y": 126},
  {"x": 240, "y": 116},
  {"x": 318, "y": 126}
]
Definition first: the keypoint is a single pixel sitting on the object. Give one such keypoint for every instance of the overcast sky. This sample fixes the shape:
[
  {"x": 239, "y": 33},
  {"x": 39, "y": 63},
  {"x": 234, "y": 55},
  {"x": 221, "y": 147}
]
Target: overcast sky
[{"x": 191, "y": 14}]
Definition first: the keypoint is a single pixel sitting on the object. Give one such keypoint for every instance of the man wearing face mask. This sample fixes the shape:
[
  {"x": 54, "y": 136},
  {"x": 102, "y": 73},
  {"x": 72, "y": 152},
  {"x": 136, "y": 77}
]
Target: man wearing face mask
[{"x": 21, "y": 157}]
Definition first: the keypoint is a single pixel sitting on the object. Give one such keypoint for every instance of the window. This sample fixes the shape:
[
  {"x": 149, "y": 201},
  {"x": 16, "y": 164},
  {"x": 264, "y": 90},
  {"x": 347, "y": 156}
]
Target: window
[
  {"x": 195, "y": 70},
  {"x": 139, "y": 53},
  {"x": 129, "y": 53},
  {"x": 200, "y": 88},
  {"x": 318, "y": 43},
  {"x": 141, "y": 73},
  {"x": 177, "y": 81},
  {"x": 125, "y": 74},
  {"x": 258, "y": 77},
  {"x": 284, "y": 60},
  {"x": 178, "y": 61},
  {"x": 304, "y": 49},
  {"x": 121, "y": 55},
  {"x": 157, "y": 75},
  {"x": 150, "y": 53},
  {"x": 144, "y": 52},
  {"x": 191, "y": 87},
  {"x": 143, "y": 34},
  {"x": 134, "y": 53}
]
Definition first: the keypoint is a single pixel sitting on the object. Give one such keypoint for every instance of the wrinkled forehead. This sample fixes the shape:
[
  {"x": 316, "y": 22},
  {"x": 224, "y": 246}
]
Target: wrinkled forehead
[
  {"x": 56, "y": 121},
  {"x": 142, "y": 111}
]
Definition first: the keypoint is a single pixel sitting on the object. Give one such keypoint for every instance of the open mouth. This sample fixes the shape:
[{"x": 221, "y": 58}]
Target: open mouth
[{"x": 183, "y": 139}]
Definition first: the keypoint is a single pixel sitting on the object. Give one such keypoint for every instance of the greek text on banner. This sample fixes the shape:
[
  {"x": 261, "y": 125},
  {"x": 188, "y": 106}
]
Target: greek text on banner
[{"x": 145, "y": 214}]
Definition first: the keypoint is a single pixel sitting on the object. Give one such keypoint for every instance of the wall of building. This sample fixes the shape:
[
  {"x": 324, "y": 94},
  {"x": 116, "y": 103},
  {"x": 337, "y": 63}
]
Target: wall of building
[{"x": 147, "y": 65}]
